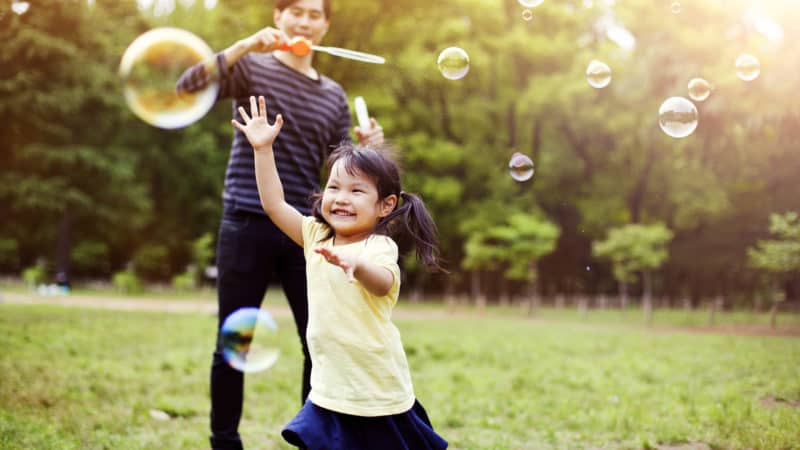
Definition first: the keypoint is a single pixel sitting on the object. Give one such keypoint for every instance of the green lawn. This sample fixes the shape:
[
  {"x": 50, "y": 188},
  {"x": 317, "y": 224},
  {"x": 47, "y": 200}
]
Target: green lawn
[{"x": 87, "y": 379}]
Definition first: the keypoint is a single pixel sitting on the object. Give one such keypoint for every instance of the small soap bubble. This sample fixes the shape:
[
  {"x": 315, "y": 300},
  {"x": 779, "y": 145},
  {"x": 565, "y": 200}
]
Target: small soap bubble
[
  {"x": 747, "y": 67},
  {"x": 530, "y": 3},
  {"x": 150, "y": 68},
  {"x": 676, "y": 7},
  {"x": 598, "y": 74},
  {"x": 699, "y": 89},
  {"x": 249, "y": 340},
  {"x": 520, "y": 167},
  {"x": 20, "y": 8},
  {"x": 453, "y": 63},
  {"x": 677, "y": 117},
  {"x": 527, "y": 15}
]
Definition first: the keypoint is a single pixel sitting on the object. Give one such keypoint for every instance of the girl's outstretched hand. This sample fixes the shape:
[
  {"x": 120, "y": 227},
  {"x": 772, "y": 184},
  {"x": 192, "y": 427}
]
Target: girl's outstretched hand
[
  {"x": 348, "y": 264},
  {"x": 258, "y": 131}
]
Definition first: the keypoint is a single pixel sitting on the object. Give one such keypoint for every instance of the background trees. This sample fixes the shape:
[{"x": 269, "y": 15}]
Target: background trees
[{"x": 87, "y": 186}]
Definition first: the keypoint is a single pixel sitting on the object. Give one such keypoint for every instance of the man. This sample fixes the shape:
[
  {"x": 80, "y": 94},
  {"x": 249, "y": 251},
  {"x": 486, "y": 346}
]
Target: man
[{"x": 250, "y": 247}]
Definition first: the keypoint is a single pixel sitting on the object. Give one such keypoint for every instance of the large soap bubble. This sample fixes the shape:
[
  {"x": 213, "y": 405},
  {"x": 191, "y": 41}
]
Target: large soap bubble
[
  {"x": 150, "y": 67},
  {"x": 677, "y": 117},
  {"x": 453, "y": 63},
  {"x": 249, "y": 340}
]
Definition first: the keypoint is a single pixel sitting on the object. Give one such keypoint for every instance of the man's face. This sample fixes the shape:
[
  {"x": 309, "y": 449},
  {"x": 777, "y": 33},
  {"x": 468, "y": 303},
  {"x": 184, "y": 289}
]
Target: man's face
[{"x": 303, "y": 18}]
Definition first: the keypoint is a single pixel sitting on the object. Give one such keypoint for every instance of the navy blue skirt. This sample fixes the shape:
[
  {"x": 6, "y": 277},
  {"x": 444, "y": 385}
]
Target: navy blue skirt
[{"x": 317, "y": 428}]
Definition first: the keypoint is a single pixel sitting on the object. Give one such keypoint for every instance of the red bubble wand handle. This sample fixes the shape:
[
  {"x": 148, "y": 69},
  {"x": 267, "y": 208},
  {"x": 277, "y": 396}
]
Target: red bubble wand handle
[{"x": 302, "y": 46}]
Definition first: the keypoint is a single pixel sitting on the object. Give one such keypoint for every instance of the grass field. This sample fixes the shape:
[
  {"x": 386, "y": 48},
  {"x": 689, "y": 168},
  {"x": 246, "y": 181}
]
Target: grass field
[{"x": 88, "y": 379}]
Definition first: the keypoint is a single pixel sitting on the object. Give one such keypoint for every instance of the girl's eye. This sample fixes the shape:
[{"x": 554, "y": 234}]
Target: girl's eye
[
  {"x": 333, "y": 188},
  {"x": 358, "y": 190}
]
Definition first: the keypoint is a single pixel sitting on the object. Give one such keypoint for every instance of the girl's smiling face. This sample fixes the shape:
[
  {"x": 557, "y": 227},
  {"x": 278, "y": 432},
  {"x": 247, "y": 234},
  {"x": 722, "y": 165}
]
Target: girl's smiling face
[{"x": 351, "y": 206}]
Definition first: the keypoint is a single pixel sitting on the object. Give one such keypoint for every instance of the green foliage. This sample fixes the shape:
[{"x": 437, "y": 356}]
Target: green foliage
[
  {"x": 184, "y": 282},
  {"x": 202, "y": 255},
  {"x": 126, "y": 282},
  {"x": 91, "y": 258},
  {"x": 151, "y": 262},
  {"x": 9, "y": 254},
  {"x": 781, "y": 256},
  {"x": 516, "y": 245},
  {"x": 72, "y": 153},
  {"x": 634, "y": 247},
  {"x": 34, "y": 275}
]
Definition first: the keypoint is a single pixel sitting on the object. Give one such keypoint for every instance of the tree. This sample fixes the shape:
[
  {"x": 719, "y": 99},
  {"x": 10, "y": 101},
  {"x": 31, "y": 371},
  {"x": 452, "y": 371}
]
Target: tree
[
  {"x": 779, "y": 258},
  {"x": 634, "y": 248}
]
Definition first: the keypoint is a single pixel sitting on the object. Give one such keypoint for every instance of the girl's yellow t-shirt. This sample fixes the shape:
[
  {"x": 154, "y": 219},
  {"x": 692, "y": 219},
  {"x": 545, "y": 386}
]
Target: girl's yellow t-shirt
[{"x": 359, "y": 366}]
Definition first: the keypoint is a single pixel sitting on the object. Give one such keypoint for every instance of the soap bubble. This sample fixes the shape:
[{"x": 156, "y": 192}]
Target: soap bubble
[
  {"x": 598, "y": 74},
  {"x": 527, "y": 15},
  {"x": 676, "y": 7},
  {"x": 747, "y": 67},
  {"x": 520, "y": 167},
  {"x": 150, "y": 67},
  {"x": 699, "y": 89},
  {"x": 677, "y": 116},
  {"x": 530, "y": 3},
  {"x": 453, "y": 63},
  {"x": 249, "y": 340}
]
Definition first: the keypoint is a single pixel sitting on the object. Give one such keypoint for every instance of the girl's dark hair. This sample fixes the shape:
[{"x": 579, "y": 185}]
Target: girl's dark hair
[
  {"x": 280, "y": 5},
  {"x": 409, "y": 224}
]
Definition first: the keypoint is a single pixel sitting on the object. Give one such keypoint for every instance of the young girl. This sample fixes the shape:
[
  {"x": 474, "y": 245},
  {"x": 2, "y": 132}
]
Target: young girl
[{"x": 361, "y": 392}]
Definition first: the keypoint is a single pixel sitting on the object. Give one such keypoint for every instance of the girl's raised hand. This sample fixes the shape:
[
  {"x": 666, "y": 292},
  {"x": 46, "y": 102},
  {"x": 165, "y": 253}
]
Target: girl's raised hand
[
  {"x": 258, "y": 131},
  {"x": 347, "y": 264}
]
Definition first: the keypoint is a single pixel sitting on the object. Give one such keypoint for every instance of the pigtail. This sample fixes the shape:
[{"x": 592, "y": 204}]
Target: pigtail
[{"x": 410, "y": 224}]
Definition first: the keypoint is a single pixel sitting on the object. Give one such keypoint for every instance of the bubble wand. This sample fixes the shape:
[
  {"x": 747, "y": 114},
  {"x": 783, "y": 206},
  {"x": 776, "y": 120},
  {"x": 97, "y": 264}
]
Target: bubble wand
[{"x": 302, "y": 46}]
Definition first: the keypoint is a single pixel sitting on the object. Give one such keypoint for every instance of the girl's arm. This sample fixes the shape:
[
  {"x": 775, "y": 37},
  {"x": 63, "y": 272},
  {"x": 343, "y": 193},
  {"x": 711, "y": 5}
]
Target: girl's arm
[
  {"x": 377, "y": 279},
  {"x": 261, "y": 136}
]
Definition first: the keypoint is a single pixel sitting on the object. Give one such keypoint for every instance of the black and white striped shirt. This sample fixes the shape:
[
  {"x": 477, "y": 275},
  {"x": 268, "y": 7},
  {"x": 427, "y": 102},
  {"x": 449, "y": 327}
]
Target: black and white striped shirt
[{"x": 316, "y": 120}]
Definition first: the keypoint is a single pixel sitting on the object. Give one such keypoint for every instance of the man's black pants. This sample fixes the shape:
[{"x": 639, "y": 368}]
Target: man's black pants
[{"x": 250, "y": 251}]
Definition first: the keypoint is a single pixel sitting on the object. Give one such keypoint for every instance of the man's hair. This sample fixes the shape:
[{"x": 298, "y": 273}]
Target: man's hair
[{"x": 280, "y": 5}]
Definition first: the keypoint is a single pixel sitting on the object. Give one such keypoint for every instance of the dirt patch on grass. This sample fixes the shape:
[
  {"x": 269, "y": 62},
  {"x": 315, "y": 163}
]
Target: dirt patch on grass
[
  {"x": 686, "y": 446},
  {"x": 772, "y": 402}
]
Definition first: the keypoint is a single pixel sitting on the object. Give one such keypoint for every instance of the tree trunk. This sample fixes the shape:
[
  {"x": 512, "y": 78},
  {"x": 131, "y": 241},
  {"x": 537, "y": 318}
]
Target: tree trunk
[
  {"x": 419, "y": 288},
  {"x": 647, "y": 296},
  {"x": 450, "y": 294},
  {"x": 533, "y": 297},
  {"x": 773, "y": 315},
  {"x": 477, "y": 294},
  {"x": 623, "y": 295},
  {"x": 63, "y": 249},
  {"x": 712, "y": 307},
  {"x": 583, "y": 306}
]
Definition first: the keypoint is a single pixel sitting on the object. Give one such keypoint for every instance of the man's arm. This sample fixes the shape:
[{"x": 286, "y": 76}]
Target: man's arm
[{"x": 197, "y": 77}]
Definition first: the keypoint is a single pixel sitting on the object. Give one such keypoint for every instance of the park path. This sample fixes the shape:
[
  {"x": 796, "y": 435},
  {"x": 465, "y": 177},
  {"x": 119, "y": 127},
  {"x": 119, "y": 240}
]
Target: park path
[
  {"x": 209, "y": 306},
  {"x": 170, "y": 305}
]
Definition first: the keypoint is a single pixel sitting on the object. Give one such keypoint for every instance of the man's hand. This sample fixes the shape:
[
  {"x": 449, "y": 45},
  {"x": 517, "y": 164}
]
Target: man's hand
[
  {"x": 265, "y": 40},
  {"x": 373, "y": 136},
  {"x": 348, "y": 264},
  {"x": 258, "y": 131}
]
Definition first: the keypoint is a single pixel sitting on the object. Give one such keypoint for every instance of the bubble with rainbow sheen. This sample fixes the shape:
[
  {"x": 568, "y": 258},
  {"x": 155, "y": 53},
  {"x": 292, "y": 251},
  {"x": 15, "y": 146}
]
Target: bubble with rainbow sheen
[
  {"x": 453, "y": 63},
  {"x": 520, "y": 167},
  {"x": 249, "y": 340},
  {"x": 677, "y": 117},
  {"x": 150, "y": 68}
]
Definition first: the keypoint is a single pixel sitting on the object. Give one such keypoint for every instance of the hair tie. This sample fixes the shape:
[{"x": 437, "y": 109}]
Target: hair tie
[{"x": 402, "y": 193}]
